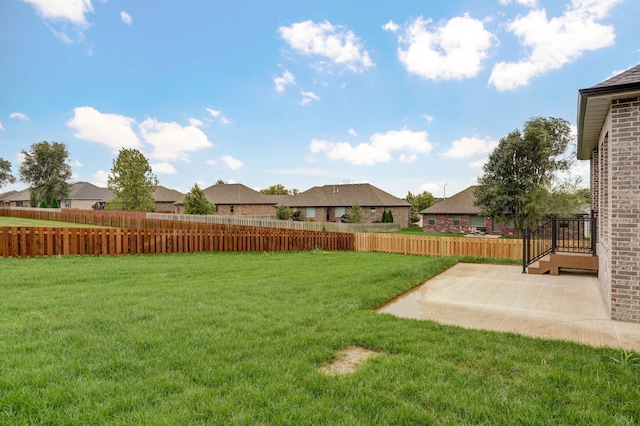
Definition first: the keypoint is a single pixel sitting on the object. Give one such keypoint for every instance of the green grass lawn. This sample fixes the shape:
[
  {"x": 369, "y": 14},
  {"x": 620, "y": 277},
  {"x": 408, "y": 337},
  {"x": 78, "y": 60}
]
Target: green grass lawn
[
  {"x": 17, "y": 221},
  {"x": 238, "y": 338}
]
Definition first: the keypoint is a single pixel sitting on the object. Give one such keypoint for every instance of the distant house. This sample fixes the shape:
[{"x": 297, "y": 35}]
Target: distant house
[
  {"x": 609, "y": 137},
  {"x": 459, "y": 215},
  {"x": 330, "y": 202},
  {"x": 167, "y": 200},
  {"x": 86, "y": 196},
  {"x": 17, "y": 198},
  {"x": 238, "y": 199},
  {"x": 4, "y": 198}
]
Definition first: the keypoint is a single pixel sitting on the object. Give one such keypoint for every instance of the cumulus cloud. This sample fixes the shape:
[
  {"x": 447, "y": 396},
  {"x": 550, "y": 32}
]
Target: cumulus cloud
[
  {"x": 232, "y": 163},
  {"x": 171, "y": 141},
  {"x": 286, "y": 79},
  {"x": 58, "y": 14},
  {"x": 378, "y": 149},
  {"x": 112, "y": 130},
  {"x": 390, "y": 26},
  {"x": 126, "y": 18},
  {"x": 352, "y": 132},
  {"x": 307, "y": 97},
  {"x": 432, "y": 188},
  {"x": 19, "y": 116},
  {"x": 218, "y": 115},
  {"x": 451, "y": 50},
  {"x": 335, "y": 43},
  {"x": 195, "y": 122},
  {"x": 163, "y": 168},
  {"x": 478, "y": 164},
  {"x": 100, "y": 178},
  {"x": 527, "y": 3},
  {"x": 1, "y": 126},
  {"x": 466, "y": 147},
  {"x": 554, "y": 42},
  {"x": 428, "y": 117}
]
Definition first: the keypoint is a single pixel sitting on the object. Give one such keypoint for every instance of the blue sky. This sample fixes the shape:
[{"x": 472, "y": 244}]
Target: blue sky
[{"x": 406, "y": 95}]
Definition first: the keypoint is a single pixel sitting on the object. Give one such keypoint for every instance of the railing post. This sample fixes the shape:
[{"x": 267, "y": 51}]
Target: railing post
[
  {"x": 594, "y": 234},
  {"x": 554, "y": 235},
  {"x": 525, "y": 249}
]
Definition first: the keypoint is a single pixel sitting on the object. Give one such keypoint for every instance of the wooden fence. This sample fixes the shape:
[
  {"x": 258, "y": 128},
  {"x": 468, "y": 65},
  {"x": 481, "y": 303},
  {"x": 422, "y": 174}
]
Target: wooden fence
[
  {"x": 33, "y": 241},
  {"x": 439, "y": 246}
]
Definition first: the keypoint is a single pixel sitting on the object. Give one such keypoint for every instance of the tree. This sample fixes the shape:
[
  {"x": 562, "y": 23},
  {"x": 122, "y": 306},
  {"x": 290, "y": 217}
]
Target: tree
[
  {"x": 5, "y": 173},
  {"x": 132, "y": 182},
  {"x": 418, "y": 203},
  {"x": 356, "y": 214},
  {"x": 279, "y": 189},
  {"x": 521, "y": 168},
  {"x": 284, "y": 212},
  {"x": 46, "y": 170},
  {"x": 195, "y": 202},
  {"x": 220, "y": 182}
]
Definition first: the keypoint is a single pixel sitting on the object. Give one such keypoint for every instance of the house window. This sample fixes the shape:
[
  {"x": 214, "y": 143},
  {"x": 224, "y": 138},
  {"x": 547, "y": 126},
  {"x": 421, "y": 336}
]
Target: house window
[
  {"x": 431, "y": 219},
  {"x": 340, "y": 211},
  {"x": 478, "y": 221},
  {"x": 231, "y": 208},
  {"x": 19, "y": 204},
  {"x": 373, "y": 212},
  {"x": 311, "y": 212},
  {"x": 456, "y": 220},
  {"x": 67, "y": 204}
]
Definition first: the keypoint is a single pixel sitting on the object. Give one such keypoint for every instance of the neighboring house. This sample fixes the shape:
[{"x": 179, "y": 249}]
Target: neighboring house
[
  {"x": 17, "y": 198},
  {"x": 86, "y": 196},
  {"x": 330, "y": 202},
  {"x": 609, "y": 136},
  {"x": 237, "y": 199},
  {"x": 459, "y": 215},
  {"x": 4, "y": 196},
  {"x": 167, "y": 200}
]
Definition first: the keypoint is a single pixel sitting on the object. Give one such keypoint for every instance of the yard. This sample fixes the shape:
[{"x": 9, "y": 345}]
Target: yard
[
  {"x": 239, "y": 338},
  {"x": 18, "y": 221}
]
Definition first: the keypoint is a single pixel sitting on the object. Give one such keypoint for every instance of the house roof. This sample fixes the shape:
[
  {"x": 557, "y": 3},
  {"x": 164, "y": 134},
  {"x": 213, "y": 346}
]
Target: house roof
[
  {"x": 4, "y": 195},
  {"x": 345, "y": 195},
  {"x": 24, "y": 195},
  {"x": 594, "y": 103},
  {"x": 88, "y": 191},
  {"x": 162, "y": 194},
  {"x": 236, "y": 193},
  {"x": 460, "y": 203}
]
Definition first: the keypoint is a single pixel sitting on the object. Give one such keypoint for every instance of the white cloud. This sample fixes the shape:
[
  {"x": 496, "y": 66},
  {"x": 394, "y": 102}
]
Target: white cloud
[
  {"x": 286, "y": 79},
  {"x": 126, "y": 18},
  {"x": 527, "y": 3},
  {"x": 466, "y": 147},
  {"x": 1, "y": 126},
  {"x": 307, "y": 97},
  {"x": 335, "y": 43},
  {"x": 73, "y": 11},
  {"x": 352, "y": 132},
  {"x": 232, "y": 163},
  {"x": 195, "y": 122},
  {"x": 171, "y": 141},
  {"x": 76, "y": 163},
  {"x": 164, "y": 168},
  {"x": 432, "y": 188},
  {"x": 112, "y": 130},
  {"x": 428, "y": 117},
  {"x": 478, "y": 164},
  {"x": 218, "y": 114},
  {"x": 554, "y": 42},
  {"x": 391, "y": 26},
  {"x": 379, "y": 148},
  {"x": 100, "y": 178},
  {"x": 453, "y": 50},
  {"x": 19, "y": 116}
]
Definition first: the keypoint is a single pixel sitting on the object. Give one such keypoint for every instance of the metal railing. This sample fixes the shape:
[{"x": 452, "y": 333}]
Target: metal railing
[{"x": 559, "y": 235}]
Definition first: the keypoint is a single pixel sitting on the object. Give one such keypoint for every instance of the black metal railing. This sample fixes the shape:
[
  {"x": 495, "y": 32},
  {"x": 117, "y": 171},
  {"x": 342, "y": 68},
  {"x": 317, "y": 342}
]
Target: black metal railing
[{"x": 559, "y": 235}]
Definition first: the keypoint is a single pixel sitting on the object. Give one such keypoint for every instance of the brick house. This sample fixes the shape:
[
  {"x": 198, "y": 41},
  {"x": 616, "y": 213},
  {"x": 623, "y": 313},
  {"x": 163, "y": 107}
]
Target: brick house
[
  {"x": 458, "y": 215},
  {"x": 167, "y": 200},
  {"x": 609, "y": 137},
  {"x": 85, "y": 195},
  {"x": 329, "y": 203},
  {"x": 238, "y": 199}
]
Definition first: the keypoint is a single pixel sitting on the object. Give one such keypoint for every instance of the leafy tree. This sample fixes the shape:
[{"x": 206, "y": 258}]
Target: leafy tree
[
  {"x": 356, "y": 214},
  {"x": 195, "y": 202},
  {"x": 220, "y": 182},
  {"x": 132, "y": 182},
  {"x": 279, "y": 189},
  {"x": 418, "y": 203},
  {"x": 284, "y": 212},
  {"x": 521, "y": 168},
  {"x": 46, "y": 170},
  {"x": 584, "y": 194},
  {"x": 5, "y": 173}
]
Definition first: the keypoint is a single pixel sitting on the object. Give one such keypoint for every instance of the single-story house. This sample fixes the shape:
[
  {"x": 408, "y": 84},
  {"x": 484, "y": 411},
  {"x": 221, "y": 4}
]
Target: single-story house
[
  {"x": 609, "y": 137},
  {"x": 86, "y": 196},
  {"x": 458, "y": 215},
  {"x": 167, "y": 200},
  {"x": 238, "y": 199},
  {"x": 17, "y": 198},
  {"x": 329, "y": 203},
  {"x": 4, "y": 198}
]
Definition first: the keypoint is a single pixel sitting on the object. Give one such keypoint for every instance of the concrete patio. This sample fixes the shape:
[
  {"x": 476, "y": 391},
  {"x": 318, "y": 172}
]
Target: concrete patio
[{"x": 569, "y": 306}]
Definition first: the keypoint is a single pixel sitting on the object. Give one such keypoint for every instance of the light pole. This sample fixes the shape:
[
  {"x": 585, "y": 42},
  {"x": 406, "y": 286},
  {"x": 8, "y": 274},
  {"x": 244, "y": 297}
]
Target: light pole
[{"x": 445, "y": 191}]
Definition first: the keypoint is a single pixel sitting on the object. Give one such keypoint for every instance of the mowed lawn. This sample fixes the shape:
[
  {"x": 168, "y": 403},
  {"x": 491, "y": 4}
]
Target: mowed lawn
[
  {"x": 238, "y": 338},
  {"x": 18, "y": 221}
]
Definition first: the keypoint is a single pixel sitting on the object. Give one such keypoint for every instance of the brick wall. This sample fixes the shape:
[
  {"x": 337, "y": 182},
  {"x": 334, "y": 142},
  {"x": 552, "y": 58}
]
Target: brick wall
[
  {"x": 400, "y": 214},
  {"x": 247, "y": 209},
  {"x": 444, "y": 223}
]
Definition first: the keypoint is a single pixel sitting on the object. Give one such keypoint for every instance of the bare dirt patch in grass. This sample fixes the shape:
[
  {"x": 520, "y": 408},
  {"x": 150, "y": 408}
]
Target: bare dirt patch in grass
[{"x": 347, "y": 360}]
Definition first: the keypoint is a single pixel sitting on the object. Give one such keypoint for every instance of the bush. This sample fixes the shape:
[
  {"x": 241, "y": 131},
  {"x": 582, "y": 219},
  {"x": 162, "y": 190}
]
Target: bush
[{"x": 284, "y": 212}]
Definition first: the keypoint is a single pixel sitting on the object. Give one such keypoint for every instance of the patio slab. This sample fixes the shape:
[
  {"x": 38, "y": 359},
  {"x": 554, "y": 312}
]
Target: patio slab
[{"x": 569, "y": 306}]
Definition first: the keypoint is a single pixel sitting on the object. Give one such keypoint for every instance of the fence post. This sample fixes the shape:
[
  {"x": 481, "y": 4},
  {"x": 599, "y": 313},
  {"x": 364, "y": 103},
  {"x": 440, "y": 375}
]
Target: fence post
[
  {"x": 554, "y": 235},
  {"x": 525, "y": 249}
]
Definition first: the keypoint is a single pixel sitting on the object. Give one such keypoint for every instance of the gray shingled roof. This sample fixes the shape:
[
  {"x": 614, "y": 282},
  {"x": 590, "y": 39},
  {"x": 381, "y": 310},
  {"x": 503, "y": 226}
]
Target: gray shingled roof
[
  {"x": 594, "y": 103},
  {"x": 24, "y": 195},
  {"x": 460, "y": 203},
  {"x": 236, "y": 193},
  {"x": 88, "y": 191},
  {"x": 345, "y": 195},
  {"x": 162, "y": 194}
]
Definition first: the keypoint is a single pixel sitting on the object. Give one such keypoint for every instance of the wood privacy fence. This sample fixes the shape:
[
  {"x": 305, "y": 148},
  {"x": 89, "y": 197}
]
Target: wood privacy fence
[
  {"x": 31, "y": 241},
  {"x": 439, "y": 246}
]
